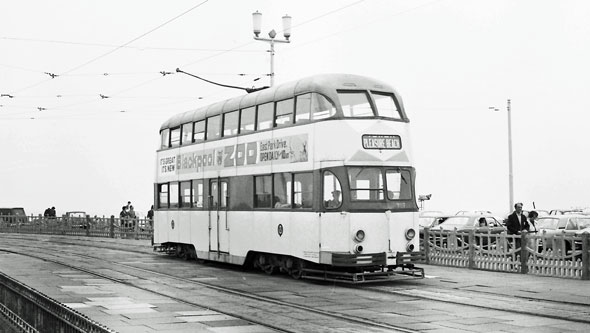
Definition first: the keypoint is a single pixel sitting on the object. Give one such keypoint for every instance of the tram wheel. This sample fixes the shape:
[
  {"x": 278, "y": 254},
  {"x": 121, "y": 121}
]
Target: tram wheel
[
  {"x": 265, "y": 264},
  {"x": 296, "y": 270}
]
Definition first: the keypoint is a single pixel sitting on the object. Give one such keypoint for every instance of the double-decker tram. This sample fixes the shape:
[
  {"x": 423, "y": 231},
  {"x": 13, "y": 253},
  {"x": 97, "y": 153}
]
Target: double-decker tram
[{"x": 313, "y": 178}]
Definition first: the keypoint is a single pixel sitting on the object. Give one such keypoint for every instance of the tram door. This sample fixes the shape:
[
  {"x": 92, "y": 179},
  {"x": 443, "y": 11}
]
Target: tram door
[{"x": 218, "y": 227}]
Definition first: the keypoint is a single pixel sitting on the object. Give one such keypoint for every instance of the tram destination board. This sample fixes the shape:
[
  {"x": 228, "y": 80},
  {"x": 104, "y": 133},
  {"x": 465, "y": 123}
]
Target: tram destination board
[{"x": 372, "y": 141}]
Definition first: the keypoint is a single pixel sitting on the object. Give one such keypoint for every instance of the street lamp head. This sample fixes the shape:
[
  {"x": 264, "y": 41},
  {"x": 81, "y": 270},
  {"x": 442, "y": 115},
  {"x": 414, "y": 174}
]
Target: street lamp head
[
  {"x": 272, "y": 34},
  {"x": 287, "y": 26},
  {"x": 256, "y": 22}
]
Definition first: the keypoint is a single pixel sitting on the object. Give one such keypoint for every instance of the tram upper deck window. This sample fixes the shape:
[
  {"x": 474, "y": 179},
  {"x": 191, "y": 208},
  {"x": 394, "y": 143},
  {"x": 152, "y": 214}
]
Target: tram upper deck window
[
  {"x": 366, "y": 183},
  {"x": 284, "y": 113},
  {"x": 313, "y": 106},
  {"x": 398, "y": 184},
  {"x": 187, "y": 134},
  {"x": 386, "y": 106},
  {"x": 214, "y": 127},
  {"x": 199, "y": 131},
  {"x": 164, "y": 139},
  {"x": 247, "y": 120},
  {"x": 265, "y": 114},
  {"x": 355, "y": 103},
  {"x": 175, "y": 137},
  {"x": 230, "y": 123}
]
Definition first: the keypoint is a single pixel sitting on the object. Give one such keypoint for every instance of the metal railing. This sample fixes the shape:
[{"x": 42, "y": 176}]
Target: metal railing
[
  {"x": 109, "y": 227},
  {"x": 557, "y": 255}
]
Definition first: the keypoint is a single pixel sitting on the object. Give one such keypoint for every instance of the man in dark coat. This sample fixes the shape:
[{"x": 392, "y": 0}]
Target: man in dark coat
[{"x": 516, "y": 223}]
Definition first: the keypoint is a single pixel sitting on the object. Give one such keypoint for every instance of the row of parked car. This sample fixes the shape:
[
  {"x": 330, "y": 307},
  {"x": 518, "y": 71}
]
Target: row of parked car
[{"x": 549, "y": 224}]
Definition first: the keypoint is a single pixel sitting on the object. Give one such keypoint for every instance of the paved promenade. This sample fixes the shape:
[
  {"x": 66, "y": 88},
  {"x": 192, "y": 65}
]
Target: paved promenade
[{"x": 124, "y": 308}]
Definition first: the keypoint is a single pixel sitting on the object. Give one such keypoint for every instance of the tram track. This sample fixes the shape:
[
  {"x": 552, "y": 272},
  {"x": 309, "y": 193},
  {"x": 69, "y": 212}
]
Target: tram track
[
  {"x": 363, "y": 323},
  {"x": 563, "y": 310}
]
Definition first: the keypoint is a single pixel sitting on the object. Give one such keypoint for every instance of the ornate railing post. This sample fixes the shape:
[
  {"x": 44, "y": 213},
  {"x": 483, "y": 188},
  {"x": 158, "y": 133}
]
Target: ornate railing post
[
  {"x": 471, "y": 244},
  {"x": 585, "y": 257},
  {"x": 426, "y": 245},
  {"x": 112, "y": 227},
  {"x": 524, "y": 256}
]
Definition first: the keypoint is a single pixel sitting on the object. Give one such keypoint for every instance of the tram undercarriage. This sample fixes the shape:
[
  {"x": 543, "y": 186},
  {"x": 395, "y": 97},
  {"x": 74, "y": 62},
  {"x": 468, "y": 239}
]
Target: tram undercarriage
[{"x": 297, "y": 268}]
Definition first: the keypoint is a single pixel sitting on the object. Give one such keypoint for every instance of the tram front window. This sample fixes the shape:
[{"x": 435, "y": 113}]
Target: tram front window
[
  {"x": 398, "y": 184},
  {"x": 366, "y": 183}
]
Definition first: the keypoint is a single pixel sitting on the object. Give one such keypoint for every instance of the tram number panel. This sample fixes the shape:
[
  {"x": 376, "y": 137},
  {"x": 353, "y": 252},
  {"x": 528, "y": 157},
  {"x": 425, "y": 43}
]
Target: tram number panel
[{"x": 371, "y": 141}]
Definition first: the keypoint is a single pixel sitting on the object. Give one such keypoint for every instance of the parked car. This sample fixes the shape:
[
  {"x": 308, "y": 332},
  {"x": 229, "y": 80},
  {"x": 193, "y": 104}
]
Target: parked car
[
  {"x": 12, "y": 216},
  {"x": 76, "y": 219},
  {"x": 429, "y": 219},
  {"x": 564, "y": 225},
  {"x": 468, "y": 222}
]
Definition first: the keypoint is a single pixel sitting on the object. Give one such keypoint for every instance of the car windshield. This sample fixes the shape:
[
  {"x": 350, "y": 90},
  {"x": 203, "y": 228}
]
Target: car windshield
[
  {"x": 457, "y": 221},
  {"x": 425, "y": 221},
  {"x": 583, "y": 222},
  {"x": 548, "y": 223}
]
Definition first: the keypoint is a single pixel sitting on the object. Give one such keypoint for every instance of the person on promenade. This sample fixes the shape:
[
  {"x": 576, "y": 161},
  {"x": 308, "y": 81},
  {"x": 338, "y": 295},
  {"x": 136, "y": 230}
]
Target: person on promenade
[
  {"x": 532, "y": 228},
  {"x": 517, "y": 222},
  {"x": 482, "y": 222}
]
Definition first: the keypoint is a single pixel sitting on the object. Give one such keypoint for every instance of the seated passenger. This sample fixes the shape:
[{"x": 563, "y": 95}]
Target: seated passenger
[
  {"x": 335, "y": 201},
  {"x": 279, "y": 204},
  {"x": 483, "y": 222}
]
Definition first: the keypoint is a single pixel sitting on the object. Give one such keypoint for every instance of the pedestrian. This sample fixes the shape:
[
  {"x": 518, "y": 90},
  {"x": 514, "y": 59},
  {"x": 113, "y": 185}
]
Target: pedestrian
[
  {"x": 532, "y": 240},
  {"x": 123, "y": 215},
  {"x": 517, "y": 222},
  {"x": 482, "y": 222},
  {"x": 52, "y": 213},
  {"x": 150, "y": 215},
  {"x": 131, "y": 215},
  {"x": 47, "y": 213}
]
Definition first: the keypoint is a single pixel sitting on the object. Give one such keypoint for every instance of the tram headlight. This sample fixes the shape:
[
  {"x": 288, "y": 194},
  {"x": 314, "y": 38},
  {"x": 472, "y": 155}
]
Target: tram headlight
[
  {"x": 410, "y": 247},
  {"x": 359, "y": 236},
  {"x": 358, "y": 248},
  {"x": 410, "y": 234}
]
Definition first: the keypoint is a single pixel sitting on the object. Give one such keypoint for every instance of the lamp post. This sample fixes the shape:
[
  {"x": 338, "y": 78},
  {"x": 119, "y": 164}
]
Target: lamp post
[
  {"x": 510, "y": 177},
  {"x": 256, "y": 23}
]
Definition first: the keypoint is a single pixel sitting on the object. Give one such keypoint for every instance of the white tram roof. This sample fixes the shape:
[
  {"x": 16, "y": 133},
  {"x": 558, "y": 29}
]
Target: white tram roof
[{"x": 325, "y": 84}]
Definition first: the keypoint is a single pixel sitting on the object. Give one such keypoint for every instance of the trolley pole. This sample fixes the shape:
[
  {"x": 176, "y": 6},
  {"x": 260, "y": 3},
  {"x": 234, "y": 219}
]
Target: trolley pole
[{"x": 257, "y": 22}]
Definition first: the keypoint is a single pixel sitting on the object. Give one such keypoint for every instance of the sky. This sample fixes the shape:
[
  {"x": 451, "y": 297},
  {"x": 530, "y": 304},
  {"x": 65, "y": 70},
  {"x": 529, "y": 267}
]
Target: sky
[{"x": 86, "y": 85}]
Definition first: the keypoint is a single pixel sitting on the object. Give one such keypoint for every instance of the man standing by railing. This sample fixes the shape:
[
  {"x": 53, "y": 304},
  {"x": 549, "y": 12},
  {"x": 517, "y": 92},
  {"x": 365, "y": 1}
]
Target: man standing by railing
[{"x": 517, "y": 222}]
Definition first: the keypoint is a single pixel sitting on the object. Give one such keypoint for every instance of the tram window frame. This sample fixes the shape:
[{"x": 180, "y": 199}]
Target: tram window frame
[
  {"x": 265, "y": 116},
  {"x": 284, "y": 111},
  {"x": 373, "y": 194},
  {"x": 348, "y": 107},
  {"x": 213, "y": 128},
  {"x": 263, "y": 199},
  {"x": 165, "y": 138},
  {"x": 248, "y": 114},
  {"x": 173, "y": 195},
  {"x": 231, "y": 122},
  {"x": 318, "y": 107},
  {"x": 302, "y": 198},
  {"x": 163, "y": 193},
  {"x": 405, "y": 189},
  {"x": 197, "y": 193},
  {"x": 331, "y": 184},
  {"x": 377, "y": 102},
  {"x": 201, "y": 127},
  {"x": 185, "y": 194},
  {"x": 186, "y": 134},
  {"x": 175, "y": 136},
  {"x": 282, "y": 190}
]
